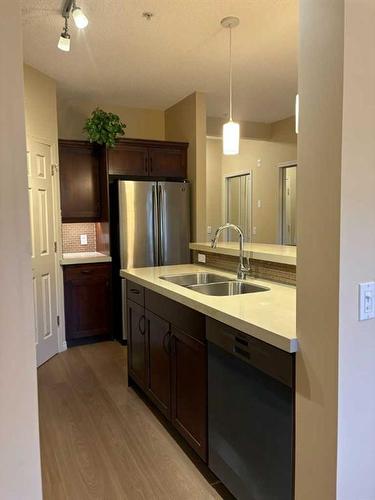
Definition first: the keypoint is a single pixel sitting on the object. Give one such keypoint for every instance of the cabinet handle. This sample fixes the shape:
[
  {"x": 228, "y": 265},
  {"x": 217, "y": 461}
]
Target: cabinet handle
[
  {"x": 167, "y": 347},
  {"x": 86, "y": 271},
  {"x": 151, "y": 164},
  {"x": 145, "y": 160},
  {"x": 134, "y": 290},
  {"x": 141, "y": 330}
]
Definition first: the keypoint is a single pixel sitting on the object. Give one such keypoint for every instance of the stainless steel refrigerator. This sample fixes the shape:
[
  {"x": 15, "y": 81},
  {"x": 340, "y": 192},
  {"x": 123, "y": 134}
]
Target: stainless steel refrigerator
[
  {"x": 153, "y": 227},
  {"x": 154, "y": 223}
]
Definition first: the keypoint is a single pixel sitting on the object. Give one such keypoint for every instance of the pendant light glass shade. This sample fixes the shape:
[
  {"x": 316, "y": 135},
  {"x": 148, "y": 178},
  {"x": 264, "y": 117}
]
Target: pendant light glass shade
[
  {"x": 79, "y": 17},
  {"x": 231, "y": 138},
  {"x": 231, "y": 129},
  {"x": 64, "y": 42}
]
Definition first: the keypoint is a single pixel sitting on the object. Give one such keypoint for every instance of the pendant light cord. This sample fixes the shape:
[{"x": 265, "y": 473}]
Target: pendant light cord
[{"x": 230, "y": 74}]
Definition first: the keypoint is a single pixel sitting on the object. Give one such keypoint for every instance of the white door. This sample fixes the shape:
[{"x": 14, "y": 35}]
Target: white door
[{"x": 39, "y": 169}]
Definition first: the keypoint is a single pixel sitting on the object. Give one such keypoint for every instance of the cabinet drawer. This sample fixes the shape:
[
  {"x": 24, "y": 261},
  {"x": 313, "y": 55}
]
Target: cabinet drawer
[
  {"x": 135, "y": 292},
  {"x": 79, "y": 271},
  {"x": 126, "y": 159},
  {"x": 182, "y": 317}
]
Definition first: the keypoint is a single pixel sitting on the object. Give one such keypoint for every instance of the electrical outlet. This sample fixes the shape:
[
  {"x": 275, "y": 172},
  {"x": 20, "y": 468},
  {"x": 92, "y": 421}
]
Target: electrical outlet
[
  {"x": 259, "y": 162},
  {"x": 209, "y": 229},
  {"x": 83, "y": 238},
  {"x": 202, "y": 258},
  {"x": 254, "y": 230},
  {"x": 259, "y": 203}
]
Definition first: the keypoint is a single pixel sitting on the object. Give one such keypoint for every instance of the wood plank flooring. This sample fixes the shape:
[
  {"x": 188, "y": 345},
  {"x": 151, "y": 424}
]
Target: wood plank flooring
[{"x": 99, "y": 440}]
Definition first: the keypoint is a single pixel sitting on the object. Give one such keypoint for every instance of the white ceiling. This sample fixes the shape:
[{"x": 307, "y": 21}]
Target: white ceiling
[{"x": 122, "y": 58}]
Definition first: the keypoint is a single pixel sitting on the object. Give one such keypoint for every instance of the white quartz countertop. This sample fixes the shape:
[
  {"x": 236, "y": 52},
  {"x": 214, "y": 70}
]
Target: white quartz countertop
[
  {"x": 282, "y": 254},
  {"x": 268, "y": 316},
  {"x": 84, "y": 258}
]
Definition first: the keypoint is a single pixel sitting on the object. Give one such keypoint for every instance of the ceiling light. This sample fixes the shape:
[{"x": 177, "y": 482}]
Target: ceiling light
[
  {"x": 64, "y": 40},
  {"x": 231, "y": 129},
  {"x": 79, "y": 17}
]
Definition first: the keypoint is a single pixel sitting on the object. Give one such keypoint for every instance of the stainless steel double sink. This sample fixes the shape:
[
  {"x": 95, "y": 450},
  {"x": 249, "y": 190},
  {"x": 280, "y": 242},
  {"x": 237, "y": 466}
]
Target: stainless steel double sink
[{"x": 213, "y": 284}]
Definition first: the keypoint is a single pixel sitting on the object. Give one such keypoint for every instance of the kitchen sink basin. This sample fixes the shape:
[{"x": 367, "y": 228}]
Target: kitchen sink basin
[
  {"x": 228, "y": 288},
  {"x": 195, "y": 279}
]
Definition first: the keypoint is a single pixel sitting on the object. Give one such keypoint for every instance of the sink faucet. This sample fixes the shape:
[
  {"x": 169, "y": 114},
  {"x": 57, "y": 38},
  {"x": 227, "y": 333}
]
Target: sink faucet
[{"x": 242, "y": 269}]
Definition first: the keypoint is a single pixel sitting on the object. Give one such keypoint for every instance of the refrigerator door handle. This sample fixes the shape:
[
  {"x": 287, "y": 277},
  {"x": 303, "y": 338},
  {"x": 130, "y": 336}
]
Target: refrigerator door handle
[
  {"x": 155, "y": 224},
  {"x": 161, "y": 225}
]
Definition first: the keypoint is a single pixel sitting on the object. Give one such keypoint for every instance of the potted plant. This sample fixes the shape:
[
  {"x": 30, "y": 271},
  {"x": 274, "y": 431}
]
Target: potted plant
[{"x": 104, "y": 128}]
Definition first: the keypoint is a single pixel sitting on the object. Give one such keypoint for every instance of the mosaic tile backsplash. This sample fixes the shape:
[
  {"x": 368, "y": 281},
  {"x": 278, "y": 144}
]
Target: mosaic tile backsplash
[{"x": 71, "y": 237}]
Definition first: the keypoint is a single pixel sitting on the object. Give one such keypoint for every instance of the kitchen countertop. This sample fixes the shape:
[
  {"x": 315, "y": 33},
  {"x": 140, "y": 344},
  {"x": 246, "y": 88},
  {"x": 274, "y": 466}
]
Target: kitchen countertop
[
  {"x": 84, "y": 258},
  {"x": 268, "y": 316},
  {"x": 282, "y": 254}
]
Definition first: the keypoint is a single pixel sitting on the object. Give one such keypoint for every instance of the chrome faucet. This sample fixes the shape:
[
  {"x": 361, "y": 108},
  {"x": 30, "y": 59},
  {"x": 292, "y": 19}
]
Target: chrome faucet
[{"x": 242, "y": 269}]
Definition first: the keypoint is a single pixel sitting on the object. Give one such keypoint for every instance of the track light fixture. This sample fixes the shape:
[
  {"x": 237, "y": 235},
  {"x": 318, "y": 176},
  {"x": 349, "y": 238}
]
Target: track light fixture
[
  {"x": 64, "y": 40},
  {"x": 80, "y": 20}
]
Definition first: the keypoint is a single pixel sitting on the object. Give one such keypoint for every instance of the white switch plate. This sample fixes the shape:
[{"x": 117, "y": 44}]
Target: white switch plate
[
  {"x": 254, "y": 230},
  {"x": 366, "y": 301},
  {"x": 259, "y": 203},
  {"x": 201, "y": 258},
  {"x": 83, "y": 238},
  {"x": 259, "y": 162}
]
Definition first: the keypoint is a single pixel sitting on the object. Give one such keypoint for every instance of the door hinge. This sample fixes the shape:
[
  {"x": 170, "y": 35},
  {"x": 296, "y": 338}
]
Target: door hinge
[
  {"x": 53, "y": 168},
  {"x": 55, "y": 246},
  {"x": 58, "y": 320}
]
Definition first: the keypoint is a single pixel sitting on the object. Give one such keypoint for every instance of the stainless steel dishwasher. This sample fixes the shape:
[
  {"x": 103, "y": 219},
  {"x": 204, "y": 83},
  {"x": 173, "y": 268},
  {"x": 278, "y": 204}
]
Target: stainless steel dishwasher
[{"x": 250, "y": 414}]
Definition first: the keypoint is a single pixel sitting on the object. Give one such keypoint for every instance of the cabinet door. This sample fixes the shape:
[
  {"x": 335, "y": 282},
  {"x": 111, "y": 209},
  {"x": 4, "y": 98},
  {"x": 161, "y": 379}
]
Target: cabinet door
[
  {"x": 167, "y": 163},
  {"x": 80, "y": 182},
  {"x": 87, "y": 301},
  {"x": 189, "y": 390},
  {"x": 126, "y": 159},
  {"x": 137, "y": 343},
  {"x": 158, "y": 380}
]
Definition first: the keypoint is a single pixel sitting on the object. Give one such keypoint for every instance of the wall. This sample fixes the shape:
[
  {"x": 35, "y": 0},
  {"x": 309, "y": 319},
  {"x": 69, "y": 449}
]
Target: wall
[
  {"x": 249, "y": 130},
  {"x": 214, "y": 185},
  {"x": 40, "y": 105},
  {"x": 140, "y": 123},
  {"x": 356, "y": 405},
  {"x": 318, "y": 228},
  {"x": 281, "y": 147},
  {"x": 186, "y": 121},
  {"x": 20, "y": 475}
]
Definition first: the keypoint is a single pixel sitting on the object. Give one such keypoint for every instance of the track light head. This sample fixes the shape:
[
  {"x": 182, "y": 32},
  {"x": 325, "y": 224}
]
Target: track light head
[
  {"x": 79, "y": 17},
  {"x": 64, "y": 40}
]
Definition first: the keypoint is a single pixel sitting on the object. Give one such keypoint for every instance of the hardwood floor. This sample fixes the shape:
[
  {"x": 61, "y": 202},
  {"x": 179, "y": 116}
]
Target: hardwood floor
[{"x": 99, "y": 440}]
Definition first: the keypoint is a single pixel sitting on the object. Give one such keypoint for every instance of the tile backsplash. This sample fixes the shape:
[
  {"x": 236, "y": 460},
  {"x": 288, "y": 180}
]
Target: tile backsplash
[{"x": 71, "y": 233}]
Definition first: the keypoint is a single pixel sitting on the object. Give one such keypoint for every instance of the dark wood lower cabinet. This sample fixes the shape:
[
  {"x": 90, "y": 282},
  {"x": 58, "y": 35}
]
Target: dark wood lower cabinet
[
  {"x": 137, "y": 343},
  {"x": 170, "y": 363},
  {"x": 159, "y": 365},
  {"x": 189, "y": 390},
  {"x": 87, "y": 291}
]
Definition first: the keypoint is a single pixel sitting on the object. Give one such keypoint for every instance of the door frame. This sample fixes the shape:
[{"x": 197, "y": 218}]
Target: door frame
[
  {"x": 57, "y": 231},
  {"x": 281, "y": 166},
  {"x": 237, "y": 173}
]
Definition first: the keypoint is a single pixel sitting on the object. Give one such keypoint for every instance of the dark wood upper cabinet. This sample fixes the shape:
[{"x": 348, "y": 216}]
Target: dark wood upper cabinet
[
  {"x": 158, "y": 380},
  {"x": 189, "y": 390},
  {"x": 142, "y": 158},
  {"x": 87, "y": 291},
  {"x": 127, "y": 159},
  {"x": 83, "y": 182},
  {"x": 137, "y": 343},
  {"x": 167, "y": 162}
]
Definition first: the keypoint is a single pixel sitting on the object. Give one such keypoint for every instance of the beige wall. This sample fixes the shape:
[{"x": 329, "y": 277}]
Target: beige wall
[
  {"x": 20, "y": 476},
  {"x": 249, "y": 130},
  {"x": 186, "y": 121},
  {"x": 318, "y": 227},
  {"x": 214, "y": 185},
  {"x": 40, "y": 105},
  {"x": 281, "y": 147},
  {"x": 140, "y": 123},
  {"x": 356, "y": 405}
]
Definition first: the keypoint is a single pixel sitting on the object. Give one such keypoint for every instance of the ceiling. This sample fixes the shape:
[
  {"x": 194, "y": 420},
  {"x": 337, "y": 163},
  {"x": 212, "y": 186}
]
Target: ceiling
[{"x": 124, "y": 59}]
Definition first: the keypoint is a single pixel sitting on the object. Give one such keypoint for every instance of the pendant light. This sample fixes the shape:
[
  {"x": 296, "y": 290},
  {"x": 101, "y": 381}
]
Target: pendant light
[
  {"x": 64, "y": 40},
  {"x": 231, "y": 129}
]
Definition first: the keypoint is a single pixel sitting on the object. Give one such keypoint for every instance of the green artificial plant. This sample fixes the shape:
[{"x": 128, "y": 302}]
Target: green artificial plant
[{"x": 103, "y": 128}]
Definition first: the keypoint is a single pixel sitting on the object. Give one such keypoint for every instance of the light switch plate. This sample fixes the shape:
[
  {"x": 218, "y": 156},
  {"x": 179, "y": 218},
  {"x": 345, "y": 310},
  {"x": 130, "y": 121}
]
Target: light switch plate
[
  {"x": 366, "y": 301},
  {"x": 83, "y": 238},
  {"x": 202, "y": 258}
]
